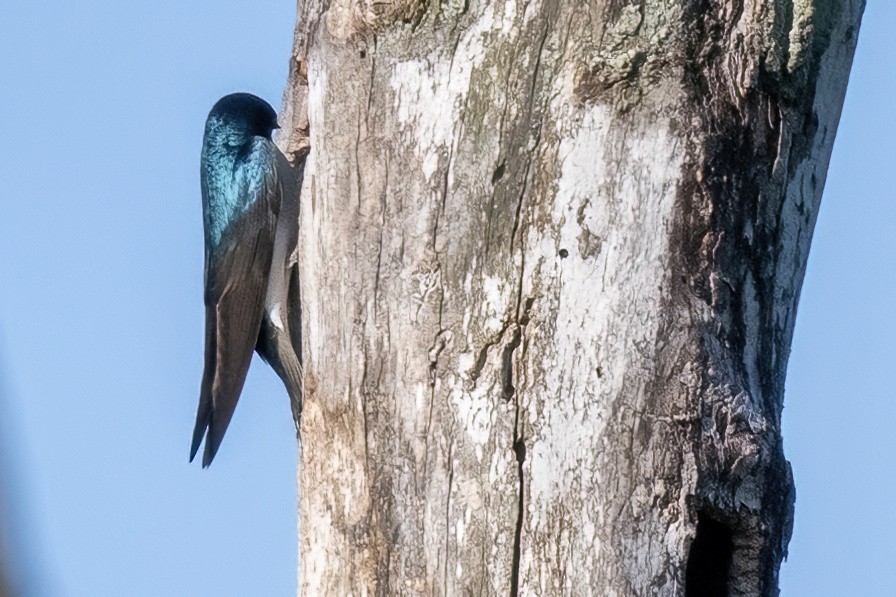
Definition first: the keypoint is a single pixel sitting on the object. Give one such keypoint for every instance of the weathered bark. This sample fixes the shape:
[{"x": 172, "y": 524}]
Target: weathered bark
[{"x": 551, "y": 255}]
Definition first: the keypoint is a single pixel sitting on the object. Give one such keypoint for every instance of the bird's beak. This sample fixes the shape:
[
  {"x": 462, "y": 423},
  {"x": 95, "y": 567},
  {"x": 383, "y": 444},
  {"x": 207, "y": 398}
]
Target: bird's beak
[{"x": 276, "y": 125}]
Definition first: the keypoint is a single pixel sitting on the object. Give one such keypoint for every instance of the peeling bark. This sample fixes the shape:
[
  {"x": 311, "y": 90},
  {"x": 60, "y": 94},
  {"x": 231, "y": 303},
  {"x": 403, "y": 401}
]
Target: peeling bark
[{"x": 551, "y": 254}]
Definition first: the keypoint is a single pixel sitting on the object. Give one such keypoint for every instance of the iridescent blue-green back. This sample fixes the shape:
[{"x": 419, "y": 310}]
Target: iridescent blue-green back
[{"x": 238, "y": 168}]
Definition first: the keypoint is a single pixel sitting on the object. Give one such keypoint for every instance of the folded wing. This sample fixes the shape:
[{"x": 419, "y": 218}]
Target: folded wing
[{"x": 236, "y": 278}]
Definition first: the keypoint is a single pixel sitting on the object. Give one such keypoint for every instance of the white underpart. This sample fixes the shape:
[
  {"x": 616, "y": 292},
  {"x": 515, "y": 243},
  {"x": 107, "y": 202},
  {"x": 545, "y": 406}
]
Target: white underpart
[{"x": 275, "y": 316}]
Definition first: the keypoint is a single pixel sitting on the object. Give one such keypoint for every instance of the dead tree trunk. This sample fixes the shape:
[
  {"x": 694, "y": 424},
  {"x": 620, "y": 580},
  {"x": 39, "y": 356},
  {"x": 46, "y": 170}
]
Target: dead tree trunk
[{"x": 551, "y": 256}]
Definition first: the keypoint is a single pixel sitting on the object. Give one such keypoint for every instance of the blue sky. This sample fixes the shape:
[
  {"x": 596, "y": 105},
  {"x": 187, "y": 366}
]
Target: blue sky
[{"x": 101, "y": 314}]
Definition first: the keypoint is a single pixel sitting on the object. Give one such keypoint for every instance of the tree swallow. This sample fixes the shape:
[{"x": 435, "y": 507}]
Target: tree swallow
[{"x": 250, "y": 211}]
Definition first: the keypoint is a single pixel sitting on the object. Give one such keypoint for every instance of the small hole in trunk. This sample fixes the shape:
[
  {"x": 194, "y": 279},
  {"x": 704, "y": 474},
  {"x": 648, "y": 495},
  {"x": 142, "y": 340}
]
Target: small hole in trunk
[{"x": 709, "y": 561}]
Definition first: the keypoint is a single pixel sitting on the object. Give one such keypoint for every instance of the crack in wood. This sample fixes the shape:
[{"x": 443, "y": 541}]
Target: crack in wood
[
  {"x": 519, "y": 445},
  {"x": 519, "y": 451},
  {"x": 481, "y": 359},
  {"x": 507, "y": 389},
  {"x": 448, "y": 515}
]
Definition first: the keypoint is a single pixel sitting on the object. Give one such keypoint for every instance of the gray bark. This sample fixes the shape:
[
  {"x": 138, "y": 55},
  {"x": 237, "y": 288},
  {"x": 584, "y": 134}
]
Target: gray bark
[{"x": 551, "y": 254}]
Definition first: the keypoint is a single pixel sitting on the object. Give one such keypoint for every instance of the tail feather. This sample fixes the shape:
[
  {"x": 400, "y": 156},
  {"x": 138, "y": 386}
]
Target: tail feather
[
  {"x": 198, "y": 433},
  {"x": 275, "y": 347},
  {"x": 203, "y": 413}
]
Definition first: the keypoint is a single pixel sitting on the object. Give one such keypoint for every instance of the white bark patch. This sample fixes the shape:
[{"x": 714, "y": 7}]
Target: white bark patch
[
  {"x": 428, "y": 97},
  {"x": 430, "y": 92},
  {"x": 620, "y": 189},
  {"x": 474, "y": 412},
  {"x": 496, "y": 295}
]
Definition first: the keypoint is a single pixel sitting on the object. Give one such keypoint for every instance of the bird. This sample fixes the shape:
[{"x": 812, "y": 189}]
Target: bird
[{"x": 250, "y": 212}]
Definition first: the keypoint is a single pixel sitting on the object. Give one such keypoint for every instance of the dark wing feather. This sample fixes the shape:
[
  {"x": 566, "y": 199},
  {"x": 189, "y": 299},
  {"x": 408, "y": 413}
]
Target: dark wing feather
[{"x": 236, "y": 280}]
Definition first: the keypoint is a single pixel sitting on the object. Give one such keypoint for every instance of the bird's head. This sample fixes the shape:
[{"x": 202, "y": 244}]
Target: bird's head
[{"x": 247, "y": 112}]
